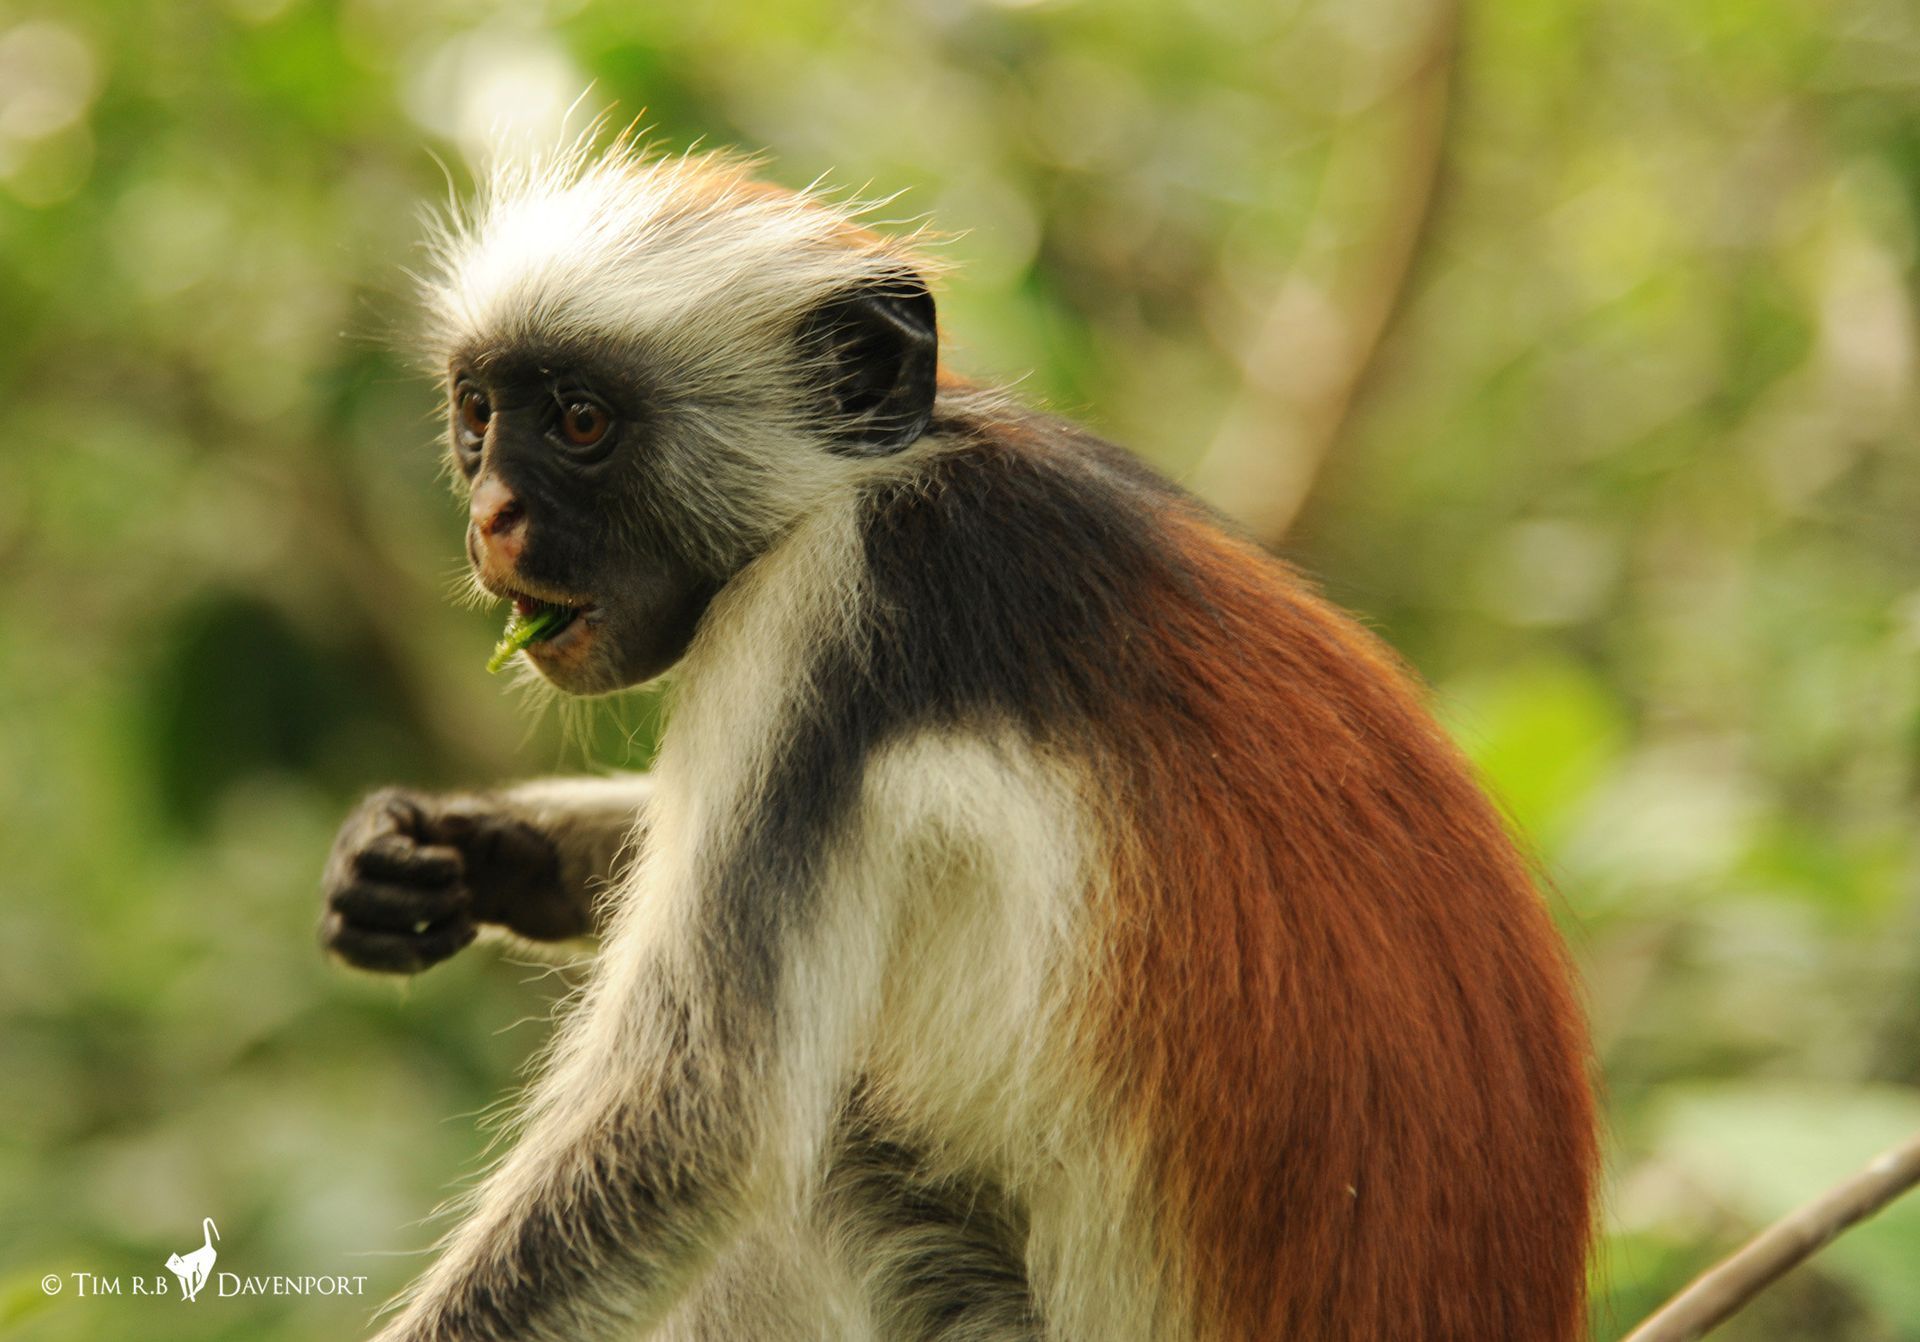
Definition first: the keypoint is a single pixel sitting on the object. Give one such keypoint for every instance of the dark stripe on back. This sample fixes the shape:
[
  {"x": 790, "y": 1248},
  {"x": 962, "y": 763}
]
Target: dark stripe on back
[{"x": 1004, "y": 581}]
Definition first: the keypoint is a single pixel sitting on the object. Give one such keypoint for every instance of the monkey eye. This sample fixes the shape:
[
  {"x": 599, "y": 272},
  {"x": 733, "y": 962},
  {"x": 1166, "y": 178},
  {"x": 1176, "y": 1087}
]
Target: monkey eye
[
  {"x": 473, "y": 412},
  {"x": 583, "y": 423}
]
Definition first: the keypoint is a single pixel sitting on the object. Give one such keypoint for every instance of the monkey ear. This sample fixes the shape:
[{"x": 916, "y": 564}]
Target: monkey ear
[{"x": 872, "y": 354}]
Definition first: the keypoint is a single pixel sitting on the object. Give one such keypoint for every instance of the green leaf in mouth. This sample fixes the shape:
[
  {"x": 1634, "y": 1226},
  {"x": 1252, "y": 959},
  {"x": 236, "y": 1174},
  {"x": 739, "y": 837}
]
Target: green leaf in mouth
[{"x": 524, "y": 630}]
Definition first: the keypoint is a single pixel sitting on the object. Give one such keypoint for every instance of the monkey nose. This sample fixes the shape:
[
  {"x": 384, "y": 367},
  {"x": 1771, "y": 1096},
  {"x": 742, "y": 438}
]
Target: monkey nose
[{"x": 499, "y": 520}]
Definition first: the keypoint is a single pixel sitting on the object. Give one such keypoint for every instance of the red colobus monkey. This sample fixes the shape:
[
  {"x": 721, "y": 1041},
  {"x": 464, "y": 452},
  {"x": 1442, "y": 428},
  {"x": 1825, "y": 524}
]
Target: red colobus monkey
[{"x": 1047, "y": 919}]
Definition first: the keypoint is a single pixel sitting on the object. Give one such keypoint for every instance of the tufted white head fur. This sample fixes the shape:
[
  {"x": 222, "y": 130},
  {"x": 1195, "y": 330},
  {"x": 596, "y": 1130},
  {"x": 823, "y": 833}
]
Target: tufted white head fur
[
  {"x": 688, "y": 254},
  {"x": 696, "y": 277}
]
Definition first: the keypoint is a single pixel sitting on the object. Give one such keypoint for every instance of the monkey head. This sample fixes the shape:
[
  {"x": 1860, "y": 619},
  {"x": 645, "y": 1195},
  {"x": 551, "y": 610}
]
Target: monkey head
[{"x": 654, "y": 368}]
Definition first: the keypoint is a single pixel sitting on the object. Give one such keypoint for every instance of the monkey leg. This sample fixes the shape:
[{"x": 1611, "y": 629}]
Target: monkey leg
[{"x": 938, "y": 1254}]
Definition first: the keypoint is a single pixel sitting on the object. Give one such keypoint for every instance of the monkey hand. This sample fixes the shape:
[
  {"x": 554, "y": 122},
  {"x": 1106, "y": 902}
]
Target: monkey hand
[{"x": 412, "y": 876}]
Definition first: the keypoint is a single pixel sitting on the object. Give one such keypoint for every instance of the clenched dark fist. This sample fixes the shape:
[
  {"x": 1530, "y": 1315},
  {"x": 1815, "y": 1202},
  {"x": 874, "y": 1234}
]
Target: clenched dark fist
[{"x": 413, "y": 875}]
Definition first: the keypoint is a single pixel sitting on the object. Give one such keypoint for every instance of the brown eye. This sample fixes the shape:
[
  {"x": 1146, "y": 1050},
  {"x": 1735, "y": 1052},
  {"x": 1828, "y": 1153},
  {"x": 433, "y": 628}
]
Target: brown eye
[
  {"x": 582, "y": 423},
  {"x": 474, "y": 412}
]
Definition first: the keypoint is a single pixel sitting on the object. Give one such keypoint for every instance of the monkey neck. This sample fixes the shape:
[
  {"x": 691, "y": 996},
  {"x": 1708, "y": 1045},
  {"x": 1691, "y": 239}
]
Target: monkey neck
[{"x": 749, "y": 665}]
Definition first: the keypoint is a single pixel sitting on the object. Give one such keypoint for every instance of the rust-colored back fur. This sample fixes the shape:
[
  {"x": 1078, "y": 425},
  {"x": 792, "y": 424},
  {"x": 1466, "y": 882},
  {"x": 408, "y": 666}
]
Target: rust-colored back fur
[{"x": 1336, "y": 998}]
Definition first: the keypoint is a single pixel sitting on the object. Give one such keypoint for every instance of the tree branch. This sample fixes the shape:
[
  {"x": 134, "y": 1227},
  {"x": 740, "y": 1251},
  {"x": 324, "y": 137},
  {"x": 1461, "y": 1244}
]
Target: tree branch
[{"x": 1719, "y": 1293}]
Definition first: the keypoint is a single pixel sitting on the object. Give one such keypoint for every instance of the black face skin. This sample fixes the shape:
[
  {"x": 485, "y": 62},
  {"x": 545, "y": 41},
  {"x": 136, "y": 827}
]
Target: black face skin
[
  {"x": 572, "y": 442},
  {"x": 569, "y": 440}
]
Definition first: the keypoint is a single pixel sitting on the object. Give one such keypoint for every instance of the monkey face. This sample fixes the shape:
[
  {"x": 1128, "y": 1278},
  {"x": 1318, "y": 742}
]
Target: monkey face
[
  {"x": 655, "y": 370},
  {"x": 561, "y": 458},
  {"x": 614, "y": 491}
]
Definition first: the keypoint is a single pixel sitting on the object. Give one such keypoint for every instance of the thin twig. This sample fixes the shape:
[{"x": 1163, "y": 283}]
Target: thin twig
[{"x": 1719, "y": 1293}]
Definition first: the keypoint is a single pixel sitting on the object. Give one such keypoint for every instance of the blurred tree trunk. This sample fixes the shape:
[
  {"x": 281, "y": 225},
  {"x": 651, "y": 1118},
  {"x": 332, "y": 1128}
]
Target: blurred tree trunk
[{"x": 1312, "y": 352}]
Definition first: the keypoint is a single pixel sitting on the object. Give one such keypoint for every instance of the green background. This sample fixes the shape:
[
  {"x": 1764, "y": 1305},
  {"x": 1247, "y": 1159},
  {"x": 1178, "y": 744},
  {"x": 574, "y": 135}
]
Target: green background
[{"x": 1583, "y": 334}]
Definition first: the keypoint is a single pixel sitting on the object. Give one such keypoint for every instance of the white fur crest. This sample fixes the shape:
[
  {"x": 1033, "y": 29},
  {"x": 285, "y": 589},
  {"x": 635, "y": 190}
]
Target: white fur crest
[{"x": 688, "y": 255}]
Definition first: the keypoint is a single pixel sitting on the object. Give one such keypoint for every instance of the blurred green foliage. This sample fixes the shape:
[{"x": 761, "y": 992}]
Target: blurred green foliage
[{"x": 1630, "y": 475}]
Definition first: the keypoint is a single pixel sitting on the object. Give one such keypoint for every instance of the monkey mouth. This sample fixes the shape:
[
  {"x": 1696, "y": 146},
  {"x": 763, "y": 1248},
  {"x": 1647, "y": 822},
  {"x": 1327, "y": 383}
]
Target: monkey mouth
[
  {"x": 540, "y": 623},
  {"x": 559, "y": 641},
  {"x": 557, "y": 624},
  {"x": 555, "y": 617}
]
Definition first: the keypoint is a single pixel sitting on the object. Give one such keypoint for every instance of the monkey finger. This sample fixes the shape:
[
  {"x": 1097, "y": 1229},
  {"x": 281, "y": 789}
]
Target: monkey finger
[
  {"x": 395, "y": 857},
  {"x": 388, "y": 907},
  {"x": 394, "y": 952},
  {"x": 398, "y": 809}
]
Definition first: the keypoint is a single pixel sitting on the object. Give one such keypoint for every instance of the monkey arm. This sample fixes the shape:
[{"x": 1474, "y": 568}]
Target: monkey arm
[
  {"x": 414, "y": 876},
  {"x": 595, "y": 828},
  {"x": 699, "y": 1076}
]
